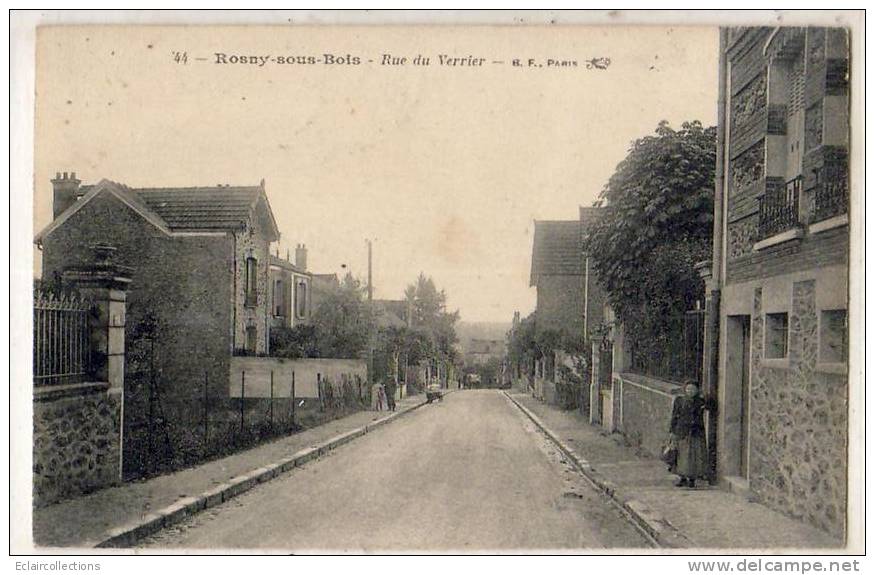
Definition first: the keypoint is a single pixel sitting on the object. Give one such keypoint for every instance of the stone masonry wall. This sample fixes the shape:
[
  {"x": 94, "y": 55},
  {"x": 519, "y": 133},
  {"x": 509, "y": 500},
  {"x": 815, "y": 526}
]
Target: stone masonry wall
[
  {"x": 646, "y": 411},
  {"x": 248, "y": 242},
  {"x": 75, "y": 445},
  {"x": 798, "y": 425}
]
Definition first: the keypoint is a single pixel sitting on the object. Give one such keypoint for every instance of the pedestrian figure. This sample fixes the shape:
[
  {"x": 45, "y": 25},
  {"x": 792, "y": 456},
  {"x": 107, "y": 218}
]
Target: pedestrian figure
[
  {"x": 381, "y": 397},
  {"x": 390, "y": 395},
  {"x": 688, "y": 432},
  {"x": 376, "y": 397}
]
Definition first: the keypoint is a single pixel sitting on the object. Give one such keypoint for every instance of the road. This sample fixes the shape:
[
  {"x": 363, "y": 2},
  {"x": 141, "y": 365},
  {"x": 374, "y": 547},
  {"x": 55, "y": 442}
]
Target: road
[{"x": 468, "y": 474}]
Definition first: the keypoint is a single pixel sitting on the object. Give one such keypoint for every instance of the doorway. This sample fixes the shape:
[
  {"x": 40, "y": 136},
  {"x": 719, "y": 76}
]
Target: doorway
[{"x": 736, "y": 409}]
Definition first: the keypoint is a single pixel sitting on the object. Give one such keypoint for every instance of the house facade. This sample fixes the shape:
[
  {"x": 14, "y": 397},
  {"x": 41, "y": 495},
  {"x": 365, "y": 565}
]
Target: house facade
[
  {"x": 290, "y": 289},
  {"x": 569, "y": 300},
  {"x": 557, "y": 275},
  {"x": 477, "y": 351},
  {"x": 778, "y": 285},
  {"x": 199, "y": 260}
]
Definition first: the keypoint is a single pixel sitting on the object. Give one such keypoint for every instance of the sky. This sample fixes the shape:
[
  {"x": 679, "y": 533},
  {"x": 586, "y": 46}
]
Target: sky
[{"x": 444, "y": 167}]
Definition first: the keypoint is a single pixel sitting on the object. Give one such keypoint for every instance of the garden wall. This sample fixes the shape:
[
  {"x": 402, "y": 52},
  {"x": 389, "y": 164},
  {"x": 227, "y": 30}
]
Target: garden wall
[
  {"x": 258, "y": 370},
  {"x": 75, "y": 441},
  {"x": 645, "y": 406}
]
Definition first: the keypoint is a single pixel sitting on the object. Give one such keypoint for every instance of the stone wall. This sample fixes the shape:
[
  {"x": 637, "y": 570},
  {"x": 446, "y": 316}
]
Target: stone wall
[
  {"x": 76, "y": 442},
  {"x": 644, "y": 406},
  {"x": 798, "y": 425},
  {"x": 251, "y": 241}
]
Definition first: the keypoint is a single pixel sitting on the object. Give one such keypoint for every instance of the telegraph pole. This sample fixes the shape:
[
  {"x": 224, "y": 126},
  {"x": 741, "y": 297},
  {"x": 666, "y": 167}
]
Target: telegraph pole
[
  {"x": 371, "y": 334},
  {"x": 370, "y": 272}
]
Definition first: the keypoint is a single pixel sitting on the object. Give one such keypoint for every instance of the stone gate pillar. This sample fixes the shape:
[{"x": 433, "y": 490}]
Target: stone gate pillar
[
  {"x": 594, "y": 396},
  {"x": 105, "y": 284}
]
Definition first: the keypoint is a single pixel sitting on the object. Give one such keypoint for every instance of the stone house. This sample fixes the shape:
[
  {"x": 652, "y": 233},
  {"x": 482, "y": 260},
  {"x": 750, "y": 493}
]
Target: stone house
[
  {"x": 199, "y": 260},
  {"x": 290, "y": 290},
  {"x": 478, "y": 351},
  {"x": 777, "y": 288},
  {"x": 569, "y": 299}
]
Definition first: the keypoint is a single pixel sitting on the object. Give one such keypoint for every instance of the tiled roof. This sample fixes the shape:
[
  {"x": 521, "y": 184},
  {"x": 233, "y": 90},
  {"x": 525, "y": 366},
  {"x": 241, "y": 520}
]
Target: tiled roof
[
  {"x": 174, "y": 210},
  {"x": 556, "y": 249},
  {"x": 201, "y": 208},
  {"x": 286, "y": 264}
]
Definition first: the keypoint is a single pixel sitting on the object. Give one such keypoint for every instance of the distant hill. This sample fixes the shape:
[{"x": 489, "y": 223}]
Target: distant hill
[{"x": 468, "y": 330}]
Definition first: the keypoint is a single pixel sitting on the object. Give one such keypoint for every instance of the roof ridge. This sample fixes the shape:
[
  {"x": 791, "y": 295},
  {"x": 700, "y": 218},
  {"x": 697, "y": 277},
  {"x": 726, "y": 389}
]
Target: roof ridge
[{"x": 219, "y": 187}]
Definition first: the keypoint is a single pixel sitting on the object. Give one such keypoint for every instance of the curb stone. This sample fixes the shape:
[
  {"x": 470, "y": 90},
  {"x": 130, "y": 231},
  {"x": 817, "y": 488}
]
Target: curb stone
[
  {"x": 658, "y": 529},
  {"x": 127, "y": 535}
]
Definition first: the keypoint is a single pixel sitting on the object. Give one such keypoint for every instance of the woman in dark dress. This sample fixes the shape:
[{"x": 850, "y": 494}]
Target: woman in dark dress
[
  {"x": 391, "y": 387},
  {"x": 688, "y": 431}
]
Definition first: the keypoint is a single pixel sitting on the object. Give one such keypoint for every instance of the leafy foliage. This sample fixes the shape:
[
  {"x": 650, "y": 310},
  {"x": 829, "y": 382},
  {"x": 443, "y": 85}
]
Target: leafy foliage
[
  {"x": 295, "y": 342},
  {"x": 342, "y": 320},
  {"x": 431, "y": 319},
  {"x": 657, "y": 224}
]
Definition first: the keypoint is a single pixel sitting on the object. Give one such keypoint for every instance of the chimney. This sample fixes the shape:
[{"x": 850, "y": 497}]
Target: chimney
[
  {"x": 66, "y": 192},
  {"x": 301, "y": 256}
]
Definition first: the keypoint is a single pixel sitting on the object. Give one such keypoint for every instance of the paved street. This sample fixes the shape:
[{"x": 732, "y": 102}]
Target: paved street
[{"x": 470, "y": 473}]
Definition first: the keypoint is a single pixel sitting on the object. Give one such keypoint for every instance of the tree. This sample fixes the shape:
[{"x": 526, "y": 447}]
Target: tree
[
  {"x": 295, "y": 342},
  {"x": 342, "y": 320},
  {"x": 657, "y": 224},
  {"x": 431, "y": 318},
  {"x": 521, "y": 344}
]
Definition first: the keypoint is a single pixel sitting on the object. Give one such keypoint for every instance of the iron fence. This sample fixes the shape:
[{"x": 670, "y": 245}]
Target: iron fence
[{"x": 61, "y": 338}]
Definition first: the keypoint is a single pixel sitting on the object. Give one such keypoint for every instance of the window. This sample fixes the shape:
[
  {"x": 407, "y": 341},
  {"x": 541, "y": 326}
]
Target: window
[
  {"x": 251, "y": 339},
  {"x": 279, "y": 304},
  {"x": 251, "y": 281},
  {"x": 795, "y": 116},
  {"x": 776, "y": 335},
  {"x": 301, "y": 299},
  {"x": 834, "y": 336}
]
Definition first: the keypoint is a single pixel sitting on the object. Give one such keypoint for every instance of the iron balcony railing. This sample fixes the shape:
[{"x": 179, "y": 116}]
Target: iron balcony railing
[
  {"x": 61, "y": 339},
  {"x": 779, "y": 209},
  {"x": 831, "y": 194}
]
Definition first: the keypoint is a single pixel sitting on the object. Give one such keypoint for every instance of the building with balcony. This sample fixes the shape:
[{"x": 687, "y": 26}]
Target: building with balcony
[{"x": 778, "y": 285}]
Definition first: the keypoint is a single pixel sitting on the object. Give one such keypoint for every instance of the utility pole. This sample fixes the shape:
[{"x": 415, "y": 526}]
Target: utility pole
[
  {"x": 370, "y": 272},
  {"x": 371, "y": 334}
]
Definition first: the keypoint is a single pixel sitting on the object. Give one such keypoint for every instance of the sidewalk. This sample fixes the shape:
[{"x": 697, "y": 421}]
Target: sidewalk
[
  {"x": 705, "y": 517},
  {"x": 86, "y": 521}
]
